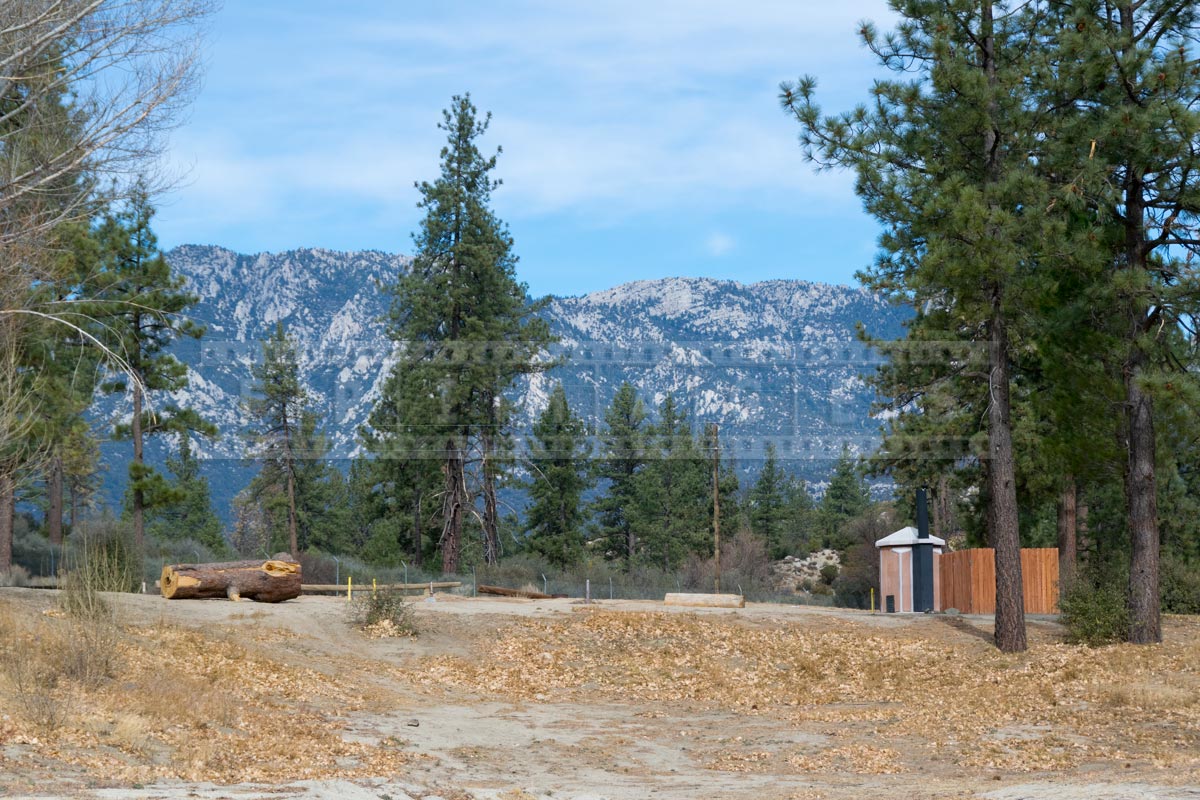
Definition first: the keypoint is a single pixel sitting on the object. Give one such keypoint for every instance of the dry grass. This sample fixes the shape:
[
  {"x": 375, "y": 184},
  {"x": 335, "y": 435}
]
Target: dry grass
[
  {"x": 181, "y": 706},
  {"x": 1054, "y": 708}
]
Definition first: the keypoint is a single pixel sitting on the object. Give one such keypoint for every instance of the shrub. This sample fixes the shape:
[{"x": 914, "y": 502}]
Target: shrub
[
  {"x": 16, "y": 576},
  {"x": 33, "y": 551},
  {"x": 823, "y": 589},
  {"x": 745, "y": 567},
  {"x": 1094, "y": 612},
  {"x": 383, "y": 613},
  {"x": 1179, "y": 585},
  {"x": 104, "y": 559},
  {"x": 829, "y": 574}
]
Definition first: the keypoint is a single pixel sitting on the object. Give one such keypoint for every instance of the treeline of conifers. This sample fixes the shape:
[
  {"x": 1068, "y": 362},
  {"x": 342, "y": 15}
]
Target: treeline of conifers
[{"x": 441, "y": 455}]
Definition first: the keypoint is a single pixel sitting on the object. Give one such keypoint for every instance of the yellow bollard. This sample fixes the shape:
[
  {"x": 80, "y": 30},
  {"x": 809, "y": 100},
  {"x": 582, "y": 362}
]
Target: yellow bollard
[
  {"x": 872, "y": 599},
  {"x": 372, "y": 587},
  {"x": 349, "y": 584}
]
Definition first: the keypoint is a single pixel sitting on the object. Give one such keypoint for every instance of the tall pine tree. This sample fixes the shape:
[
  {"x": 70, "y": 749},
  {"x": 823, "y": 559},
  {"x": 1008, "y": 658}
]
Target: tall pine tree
[
  {"x": 465, "y": 329},
  {"x": 947, "y": 159},
  {"x": 620, "y": 464},
  {"x": 277, "y": 408},
  {"x": 141, "y": 304}
]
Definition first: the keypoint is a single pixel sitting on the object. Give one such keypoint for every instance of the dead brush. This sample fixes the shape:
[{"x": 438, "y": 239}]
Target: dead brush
[
  {"x": 104, "y": 563},
  {"x": 33, "y": 675},
  {"x": 1149, "y": 697}
]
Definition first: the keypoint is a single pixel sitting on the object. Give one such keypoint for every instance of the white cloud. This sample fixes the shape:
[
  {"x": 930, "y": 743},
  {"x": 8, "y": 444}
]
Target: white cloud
[
  {"x": 719, "y": 244},
  {"x": 604, "y": 110}
]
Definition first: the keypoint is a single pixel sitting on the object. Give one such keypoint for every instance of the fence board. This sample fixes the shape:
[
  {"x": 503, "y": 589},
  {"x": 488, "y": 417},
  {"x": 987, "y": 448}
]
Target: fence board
[{"x": 969, "y": 580}]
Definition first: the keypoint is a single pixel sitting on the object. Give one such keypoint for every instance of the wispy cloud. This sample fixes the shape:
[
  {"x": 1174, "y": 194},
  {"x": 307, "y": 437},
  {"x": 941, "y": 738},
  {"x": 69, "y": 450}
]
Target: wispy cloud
[
  {"x": 719, "y": 244},
  {"x": 605, "y": 111}
]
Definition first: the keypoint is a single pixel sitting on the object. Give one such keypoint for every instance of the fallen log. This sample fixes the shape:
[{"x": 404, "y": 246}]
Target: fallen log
[
  {"x": 483, "y": 588},
  {"x": 262, "y": 581},
  {"x": 705, "y": 600}
]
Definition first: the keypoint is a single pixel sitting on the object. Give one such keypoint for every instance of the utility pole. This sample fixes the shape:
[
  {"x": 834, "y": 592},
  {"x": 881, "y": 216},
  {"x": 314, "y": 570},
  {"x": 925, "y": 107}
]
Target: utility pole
[{"x": 716, "y": 484}]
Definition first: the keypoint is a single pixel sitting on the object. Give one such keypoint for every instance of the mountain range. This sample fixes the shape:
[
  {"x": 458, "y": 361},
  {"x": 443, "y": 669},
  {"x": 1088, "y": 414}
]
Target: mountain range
[{"x": 776, "y": 361}]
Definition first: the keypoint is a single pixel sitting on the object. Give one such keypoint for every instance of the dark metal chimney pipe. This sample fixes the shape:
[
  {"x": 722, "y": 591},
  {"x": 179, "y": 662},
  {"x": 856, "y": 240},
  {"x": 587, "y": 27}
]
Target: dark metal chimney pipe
[{"x": 922, "y": 558}]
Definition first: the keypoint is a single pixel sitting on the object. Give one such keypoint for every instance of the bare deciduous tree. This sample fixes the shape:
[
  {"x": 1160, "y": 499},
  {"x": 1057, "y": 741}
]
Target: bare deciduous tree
[{"x": 87, "y": 90}]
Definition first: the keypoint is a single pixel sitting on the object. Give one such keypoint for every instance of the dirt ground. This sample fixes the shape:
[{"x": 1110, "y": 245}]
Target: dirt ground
[{"x": 519, "y": 699}]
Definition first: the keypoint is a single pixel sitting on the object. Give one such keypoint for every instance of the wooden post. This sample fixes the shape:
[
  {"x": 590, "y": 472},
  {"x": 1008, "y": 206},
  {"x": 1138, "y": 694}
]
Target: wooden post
[{"x": 716, "y": 481}]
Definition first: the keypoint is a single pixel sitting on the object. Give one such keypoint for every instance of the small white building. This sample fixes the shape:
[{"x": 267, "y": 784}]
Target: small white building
[{"x": 896, "y": 569}]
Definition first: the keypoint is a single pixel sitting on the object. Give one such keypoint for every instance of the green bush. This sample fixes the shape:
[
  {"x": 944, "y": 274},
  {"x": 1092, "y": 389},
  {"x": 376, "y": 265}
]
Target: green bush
[
  {"x": 1179, "y": 586},
  {"x": 383, "y": 612},
  {"x": 1094, "y": 612},
  {"x": 31, "y": 550}
]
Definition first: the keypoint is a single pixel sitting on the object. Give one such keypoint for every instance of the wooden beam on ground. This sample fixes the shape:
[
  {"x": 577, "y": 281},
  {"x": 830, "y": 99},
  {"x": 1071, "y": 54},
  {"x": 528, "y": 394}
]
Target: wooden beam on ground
[
  {"x": 483, "y": 588},
  {"x": 334, "y": 588},
  {"x": 705, "y": 600}
]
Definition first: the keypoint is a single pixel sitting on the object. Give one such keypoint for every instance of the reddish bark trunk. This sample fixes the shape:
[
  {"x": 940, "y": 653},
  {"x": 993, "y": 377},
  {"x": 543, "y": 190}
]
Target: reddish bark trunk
[
  {"x": 452, "y": 508},
  {"x": 1002, "y": 508},
  {"x": 7, "y": 503},
  {"x": 1067, "y": 530},
  {"x": 54, "y": 502},
  {"x": 139, "y": 497}
]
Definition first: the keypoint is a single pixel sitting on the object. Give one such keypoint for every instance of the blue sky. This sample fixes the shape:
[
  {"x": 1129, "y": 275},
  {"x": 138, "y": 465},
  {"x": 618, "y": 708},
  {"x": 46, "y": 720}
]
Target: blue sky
[{"x": 641, "y": 138}]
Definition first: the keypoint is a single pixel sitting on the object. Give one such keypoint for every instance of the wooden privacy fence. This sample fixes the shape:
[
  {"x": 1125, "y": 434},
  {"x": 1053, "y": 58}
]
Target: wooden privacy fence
[{"x": 968, "y": 580}]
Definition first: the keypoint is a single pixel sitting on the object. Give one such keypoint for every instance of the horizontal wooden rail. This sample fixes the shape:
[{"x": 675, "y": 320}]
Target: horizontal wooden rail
[{"x": 334, "y": 588}]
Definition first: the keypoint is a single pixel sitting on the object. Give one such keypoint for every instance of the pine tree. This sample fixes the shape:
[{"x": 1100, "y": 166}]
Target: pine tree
[
  {"x": 621, "y": 462},
  {"x": 846, "y": 497},
  {"x": 672, "y": 509},
  {"x": 61, "y": 369},
  {"x": 768, "y": 504},
  {"x": 466, "y": 329},
  {"x": 947, "y": 160},
  {"x": 141, "y": 303},
  {"x": 400, "y": 483},
  {"x": 189, "y": 513},
  {"x": 557, "y": 463},
  {"x": 320, "y": 490},
  {"x": 278, "y": 409},
  {"x": 1127, "y": 73}
]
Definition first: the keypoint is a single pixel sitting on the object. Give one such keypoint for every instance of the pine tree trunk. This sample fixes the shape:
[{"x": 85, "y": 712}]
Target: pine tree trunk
[
  {"x": 54, "y": 501},
  {"x": 1140, "y": 489},
  {"x": 290, "y": 467},
  {"x": 139, "y": 498},
  {"x": 944, "y": 523},
  {"x": 75, "y": 489},
  {"x": 452, "y": 508},
  {"x": 1067, "y": 528},
  {"x": 491, "y": 522},
  {"x": 293, "y": 538},
  {"x": 1144, "y": 607},
  {"x": 1083, "y": 538},
  {"x": 1002, "y": 506},
  {"x": 417, "y": 531},
  {"x": 7, "y": 509}
]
